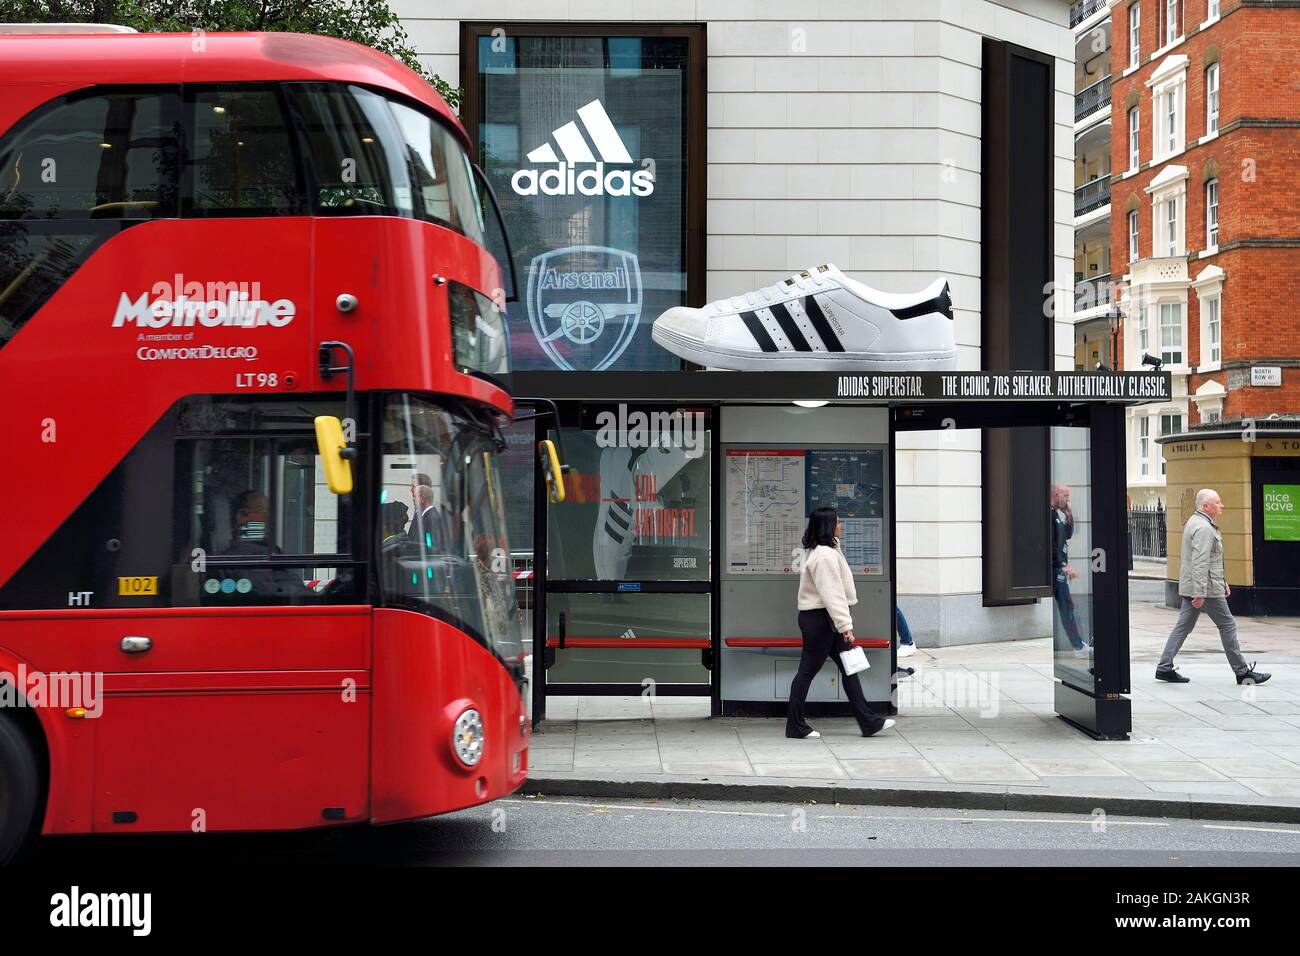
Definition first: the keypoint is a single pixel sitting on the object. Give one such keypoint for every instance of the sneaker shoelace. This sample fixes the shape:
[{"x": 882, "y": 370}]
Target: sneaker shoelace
[{"x": 776, "y": 291}]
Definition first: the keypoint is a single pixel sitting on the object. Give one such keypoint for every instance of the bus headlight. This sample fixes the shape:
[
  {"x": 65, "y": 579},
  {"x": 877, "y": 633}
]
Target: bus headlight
[{"x": 467, "y": 737}]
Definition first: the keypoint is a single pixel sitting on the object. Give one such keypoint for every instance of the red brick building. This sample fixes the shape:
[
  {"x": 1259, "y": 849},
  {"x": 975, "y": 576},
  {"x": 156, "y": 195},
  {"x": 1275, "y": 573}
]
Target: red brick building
[{"x": 1205, "y": 210}]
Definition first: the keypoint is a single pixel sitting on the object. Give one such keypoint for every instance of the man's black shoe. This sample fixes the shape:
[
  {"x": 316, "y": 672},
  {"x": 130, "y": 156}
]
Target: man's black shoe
[
  {"x": 1172, "y": 676},
  {"x": 1253, "y": 676}
]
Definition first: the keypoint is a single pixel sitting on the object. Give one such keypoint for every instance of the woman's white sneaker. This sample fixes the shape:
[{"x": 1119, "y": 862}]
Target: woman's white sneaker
[{"x": 817, "y": 320}]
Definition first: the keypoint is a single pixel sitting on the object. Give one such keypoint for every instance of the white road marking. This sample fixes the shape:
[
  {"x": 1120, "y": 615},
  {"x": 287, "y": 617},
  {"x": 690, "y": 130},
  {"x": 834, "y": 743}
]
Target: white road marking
[
  {"x": 618, "y": 806},
  {"x": 1219, "y": 826},
  {"x": 751, "y": 813},
  {"x": 1085, "y": 821}
]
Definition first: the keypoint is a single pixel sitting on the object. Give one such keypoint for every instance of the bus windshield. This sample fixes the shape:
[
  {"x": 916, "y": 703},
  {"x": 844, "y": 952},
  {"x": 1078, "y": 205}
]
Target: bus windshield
[{"x": 443, "y": 548}]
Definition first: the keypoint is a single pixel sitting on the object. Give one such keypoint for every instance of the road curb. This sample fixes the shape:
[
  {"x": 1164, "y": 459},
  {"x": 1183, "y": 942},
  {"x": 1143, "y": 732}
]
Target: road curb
[{"x": 931, "y": 796}]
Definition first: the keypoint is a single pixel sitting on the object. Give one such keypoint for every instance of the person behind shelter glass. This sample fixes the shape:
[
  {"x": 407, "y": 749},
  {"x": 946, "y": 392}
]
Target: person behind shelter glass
[
  {"x": 826, "y": 592},
  {"x": 1062, "y": 573},
  {"x": 1204, "y": 587}
]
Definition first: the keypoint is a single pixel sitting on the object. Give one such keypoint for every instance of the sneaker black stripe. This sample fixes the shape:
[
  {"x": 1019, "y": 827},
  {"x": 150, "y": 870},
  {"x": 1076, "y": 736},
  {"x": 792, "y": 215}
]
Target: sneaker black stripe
[
  {"x": 622, "y": 503},
  {"x": 618, "y": 519},
  {"x": 818, "y": 319},
  {"x": 789, "y": 327},
  {"x": 758, "y": 332},
  {"x": 613, "y": 533},
  {"x": 941, "y": 303}
]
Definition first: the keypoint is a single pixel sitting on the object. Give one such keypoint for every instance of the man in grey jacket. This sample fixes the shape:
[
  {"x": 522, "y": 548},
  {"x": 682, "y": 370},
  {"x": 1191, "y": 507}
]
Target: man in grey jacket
[{"x": 1204, "y": 587}]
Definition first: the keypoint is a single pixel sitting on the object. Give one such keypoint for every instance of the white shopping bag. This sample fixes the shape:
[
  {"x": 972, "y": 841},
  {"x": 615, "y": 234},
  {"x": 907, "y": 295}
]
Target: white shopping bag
[{"x": 854, "y": 660}]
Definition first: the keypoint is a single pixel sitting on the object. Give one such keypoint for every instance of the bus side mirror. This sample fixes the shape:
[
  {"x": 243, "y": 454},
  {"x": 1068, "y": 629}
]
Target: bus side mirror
[
  {"x": 331, "y": 444},
  {"x": 552, "y": 470}
]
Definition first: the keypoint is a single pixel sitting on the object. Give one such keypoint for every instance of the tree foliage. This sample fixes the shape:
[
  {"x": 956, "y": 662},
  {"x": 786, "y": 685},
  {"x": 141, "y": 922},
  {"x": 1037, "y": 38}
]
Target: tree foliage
[{"x": 369, "y": 22}]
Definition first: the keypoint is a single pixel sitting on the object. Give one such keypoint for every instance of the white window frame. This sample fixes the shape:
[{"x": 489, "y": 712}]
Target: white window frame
[
  {"x": 1174, "y": 354},
  {"x": 1171, "y": 120},
  {"x": 1173, "y": 29},
  {"x": 1168, "y": 85},
  {"x": 1133, "y": 237},
  {"x": 1144, "y": 445},
  {"x": 1134, "y": 35},
  {"x": 1213, "y": 306},
  {"x": 1212, "y": 99},
  {"x": 1169, "y": 206},
  {"x": 1212, "y": 214},
  {"x": 1144, "y": 335},
  {"x": 1134, "y": 138},
  {"x": 1163, "y": 433},
  {"x": 1209, "y": 292},
  {"x": 1211, "y": 10}
]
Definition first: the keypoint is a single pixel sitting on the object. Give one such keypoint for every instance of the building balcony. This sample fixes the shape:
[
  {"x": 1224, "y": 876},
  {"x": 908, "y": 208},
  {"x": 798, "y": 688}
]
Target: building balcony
[
  {"x": 1166, "y": 272},
  {"x": 1091, "y": 196},
  {"x": 1092, "y": 98},
  {"x": 1083, "y": 10},
  {"x": 1092, "y": 294}
]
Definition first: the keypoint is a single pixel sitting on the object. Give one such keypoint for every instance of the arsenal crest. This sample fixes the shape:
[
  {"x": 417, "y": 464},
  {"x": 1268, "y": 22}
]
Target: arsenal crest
[{"x": 584, "y": 304}]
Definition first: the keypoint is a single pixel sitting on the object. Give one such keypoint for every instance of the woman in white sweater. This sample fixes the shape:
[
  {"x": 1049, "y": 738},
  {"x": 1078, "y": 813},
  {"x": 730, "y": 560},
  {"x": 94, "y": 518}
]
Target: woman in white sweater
[{"x": 826, "y": 593}]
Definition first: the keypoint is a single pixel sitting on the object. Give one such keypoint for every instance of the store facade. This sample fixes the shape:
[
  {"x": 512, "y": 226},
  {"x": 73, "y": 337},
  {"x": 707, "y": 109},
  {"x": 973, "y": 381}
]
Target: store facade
[
  {"x": 653, "y": 156},
  {"x": 779, "y": 136}
]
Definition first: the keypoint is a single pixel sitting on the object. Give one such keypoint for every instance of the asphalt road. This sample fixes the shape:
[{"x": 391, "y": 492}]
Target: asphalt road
[{"x": 573, "y": 831}]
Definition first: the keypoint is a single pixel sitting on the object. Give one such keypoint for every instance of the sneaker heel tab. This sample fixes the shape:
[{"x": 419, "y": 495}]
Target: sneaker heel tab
[{"x": 945, "y": 301}]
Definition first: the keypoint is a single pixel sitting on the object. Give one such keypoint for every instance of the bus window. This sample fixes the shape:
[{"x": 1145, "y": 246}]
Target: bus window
[
  {"x": 453, "y": 562},
  {"x": 355, "y": 150},
  {"x": 258, "y": 510},
  {"x": 72, "y": 175},
  {"x": 223, "y": 502},
  {"x": 241, "y": 160},
  {"x": 109, "y": 155},
  {"x": 444, "y": 181}
]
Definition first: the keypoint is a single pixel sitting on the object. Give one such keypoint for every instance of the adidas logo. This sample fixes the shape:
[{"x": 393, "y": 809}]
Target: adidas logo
[
  {"x": 628, "y": 635},
  {"x": 564, "y": 179}
]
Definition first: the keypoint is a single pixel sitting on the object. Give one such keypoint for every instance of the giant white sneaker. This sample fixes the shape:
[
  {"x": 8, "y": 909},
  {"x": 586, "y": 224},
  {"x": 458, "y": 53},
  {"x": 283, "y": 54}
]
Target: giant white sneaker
[
  {"x": 612, "y": 538},
  {"x": 817, "y": 320}
]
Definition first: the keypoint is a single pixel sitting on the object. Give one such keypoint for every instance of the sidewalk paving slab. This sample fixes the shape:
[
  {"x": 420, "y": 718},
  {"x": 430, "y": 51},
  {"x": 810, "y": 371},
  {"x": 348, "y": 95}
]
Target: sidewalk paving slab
[{"x": 1209, "y": 749}]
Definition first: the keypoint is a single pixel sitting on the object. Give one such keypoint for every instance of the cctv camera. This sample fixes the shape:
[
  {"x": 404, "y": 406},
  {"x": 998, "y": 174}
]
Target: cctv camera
[{"x": 346, "y": 302}]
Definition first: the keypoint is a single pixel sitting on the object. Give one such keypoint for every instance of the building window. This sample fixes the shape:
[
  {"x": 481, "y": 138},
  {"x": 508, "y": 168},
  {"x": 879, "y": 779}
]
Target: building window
[
  {"x": 1133, "y": 121},
  {"x": 1171, "y": 120},
  {"x": 1212, "y": 10},
  {"x": 1134, "y": 35},
  {"x": 1213, "y": 416},
  {"x": 1213, "y": 331},
  {"x": 1133, "y": 235},
  {"x": 1171, "y": 333},
  {"x": 1169, "y": 425},
  {"x": 1171, "y": 226},
  {"x": 1144, "y": 343},
  {"x": 1144, "y": 445},
  {"x": 1212, "y": 214},
  {"x": 1212, "y": 99},
  {"x": 1172, "y": 27}
]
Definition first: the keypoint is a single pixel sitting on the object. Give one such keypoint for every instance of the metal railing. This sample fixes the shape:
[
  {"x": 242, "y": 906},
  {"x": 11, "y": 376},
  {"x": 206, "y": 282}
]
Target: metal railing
[
  {"x": 1083, "y": 10},
  {"x": 1091, "y": 195},
  {"x": 1146, "y": 528},
  {"x": 1092, "y": 98},
  {"x": 1092, "y": 292}
]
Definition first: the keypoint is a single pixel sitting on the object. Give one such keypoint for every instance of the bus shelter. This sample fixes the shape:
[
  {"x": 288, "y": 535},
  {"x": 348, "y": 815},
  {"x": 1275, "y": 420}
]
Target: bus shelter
[{"x": 672, "y": 566}]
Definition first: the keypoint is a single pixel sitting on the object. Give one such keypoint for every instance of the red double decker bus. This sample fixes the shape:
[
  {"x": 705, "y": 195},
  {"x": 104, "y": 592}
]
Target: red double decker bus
[{"x": 255, "y": 572}]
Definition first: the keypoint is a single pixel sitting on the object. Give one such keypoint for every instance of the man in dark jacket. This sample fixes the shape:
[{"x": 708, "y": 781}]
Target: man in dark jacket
[{"x": 1062, "y": 573}]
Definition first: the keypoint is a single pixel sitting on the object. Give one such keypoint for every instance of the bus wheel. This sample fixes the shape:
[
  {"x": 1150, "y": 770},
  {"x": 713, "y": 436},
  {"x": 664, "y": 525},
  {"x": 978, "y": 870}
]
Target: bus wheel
[{"x": 19, "y": 790}]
